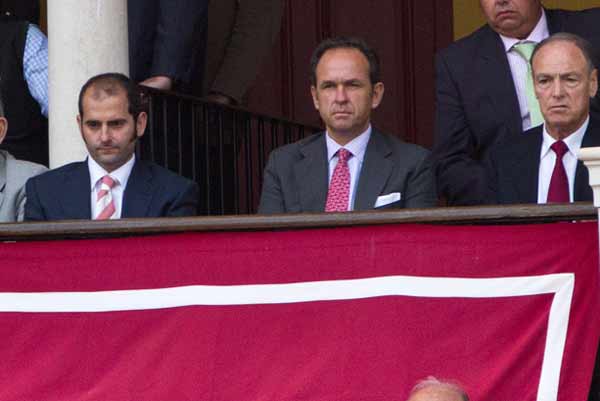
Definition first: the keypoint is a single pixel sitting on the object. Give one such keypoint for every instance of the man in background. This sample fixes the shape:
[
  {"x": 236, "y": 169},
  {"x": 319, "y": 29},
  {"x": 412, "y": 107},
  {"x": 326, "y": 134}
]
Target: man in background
[
  {"x": 167, "y": 40},
  {"x": 24, "y": 83},
  {"x": 240, "y": 35},
  {"x": 13, "y": 175}
]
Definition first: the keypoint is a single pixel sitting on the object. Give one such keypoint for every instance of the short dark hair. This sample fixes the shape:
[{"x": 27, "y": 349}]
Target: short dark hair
[
  {"x": 343, "y": 42},
  {"x": 586, "y": 48},
  {"x": 112, "y": 83}
]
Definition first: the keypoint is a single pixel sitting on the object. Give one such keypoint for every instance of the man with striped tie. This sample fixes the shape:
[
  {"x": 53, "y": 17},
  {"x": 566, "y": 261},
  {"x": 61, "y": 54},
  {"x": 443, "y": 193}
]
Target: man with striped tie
[{"x": 111, "y": 183}]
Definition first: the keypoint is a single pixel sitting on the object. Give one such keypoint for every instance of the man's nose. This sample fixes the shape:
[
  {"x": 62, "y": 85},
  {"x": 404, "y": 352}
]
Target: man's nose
[
  {"x": 557, "y": 88},
  {"x": 340, "y": 94},
  {"x": 104, "y": 133}
]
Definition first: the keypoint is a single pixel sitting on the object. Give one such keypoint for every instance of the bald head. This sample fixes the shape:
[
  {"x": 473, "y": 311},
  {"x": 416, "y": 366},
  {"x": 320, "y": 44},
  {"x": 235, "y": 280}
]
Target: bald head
[{"x": 431, "y": 389}]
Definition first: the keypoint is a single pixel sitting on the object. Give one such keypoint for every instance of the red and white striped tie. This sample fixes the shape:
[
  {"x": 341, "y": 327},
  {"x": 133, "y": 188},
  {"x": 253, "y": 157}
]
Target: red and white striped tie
[{"x": 105, "y": 202}]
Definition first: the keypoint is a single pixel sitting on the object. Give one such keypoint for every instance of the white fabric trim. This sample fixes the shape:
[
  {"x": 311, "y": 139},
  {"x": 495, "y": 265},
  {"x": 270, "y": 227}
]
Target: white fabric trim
[{"x": 561, "y": 285}]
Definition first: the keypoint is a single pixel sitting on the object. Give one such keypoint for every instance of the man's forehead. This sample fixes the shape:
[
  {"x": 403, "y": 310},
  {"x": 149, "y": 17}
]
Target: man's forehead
[
  {"x": 560, "y": 55},
  {"x": 339, "y": 62},
  {"x": 102, "y": 91}
]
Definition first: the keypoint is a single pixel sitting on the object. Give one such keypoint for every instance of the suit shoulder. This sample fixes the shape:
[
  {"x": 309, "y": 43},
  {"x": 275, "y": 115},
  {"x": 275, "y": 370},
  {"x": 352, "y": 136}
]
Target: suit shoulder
[
  {"x": 293, "y": 150},
  {"x": 166, "y": 176},
  {"x": 24, "y": 166},
  {"x": 59, "y": 172},
  {"x": 467, "y": 45},
  {"x": 512, "y": 145},
  {"x": 404, "y": 149}
]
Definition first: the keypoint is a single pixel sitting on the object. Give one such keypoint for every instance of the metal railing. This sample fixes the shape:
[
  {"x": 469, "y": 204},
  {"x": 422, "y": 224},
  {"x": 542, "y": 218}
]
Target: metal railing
[{"x": 224, "y": 149}]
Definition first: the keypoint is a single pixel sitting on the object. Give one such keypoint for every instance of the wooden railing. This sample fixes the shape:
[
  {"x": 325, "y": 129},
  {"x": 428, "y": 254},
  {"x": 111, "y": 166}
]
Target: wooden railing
[{"x": 77, "y": 229}]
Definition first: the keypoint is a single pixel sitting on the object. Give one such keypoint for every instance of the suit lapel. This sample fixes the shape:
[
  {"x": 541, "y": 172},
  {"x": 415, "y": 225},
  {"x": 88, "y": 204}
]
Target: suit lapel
[
  {"x": 3, "y": 164},
  {"x": 526, "y": 166},
  {"x": 501, "y": 86},
  {"x": 581, "y": 188},
  {"x": 375, "y": 171},
  {"x": 138, "y": 193},
  {"x": 312, "y": 175},
  {"x": 77, "y": 188}
]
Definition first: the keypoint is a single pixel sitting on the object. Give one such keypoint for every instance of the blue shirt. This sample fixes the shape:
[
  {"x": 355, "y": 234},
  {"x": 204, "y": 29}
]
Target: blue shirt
[{"x": 35, "y": 66}]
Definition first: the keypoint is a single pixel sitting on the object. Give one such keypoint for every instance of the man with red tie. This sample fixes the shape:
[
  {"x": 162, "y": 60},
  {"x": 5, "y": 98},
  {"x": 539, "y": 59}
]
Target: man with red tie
[
  {"x": 111, "y": 183},
  {"x": 350, "y": 166},
  {"x": 541, "y": 166}
]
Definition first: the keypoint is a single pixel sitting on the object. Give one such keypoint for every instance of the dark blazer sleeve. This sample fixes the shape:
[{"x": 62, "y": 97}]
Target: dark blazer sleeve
[
  {"x": 33, "y": 207},
  {"x": 185, "y": 201},
  {"x": 460, "y": 178},
  {"x": 271, "y": 198}
]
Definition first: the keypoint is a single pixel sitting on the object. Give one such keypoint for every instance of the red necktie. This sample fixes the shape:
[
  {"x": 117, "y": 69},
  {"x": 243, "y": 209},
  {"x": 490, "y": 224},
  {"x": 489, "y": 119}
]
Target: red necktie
[
  {"x": 105, "y": 202},
  {"x": 559, "y": 184},
  {"x": 339, "y": 187}
]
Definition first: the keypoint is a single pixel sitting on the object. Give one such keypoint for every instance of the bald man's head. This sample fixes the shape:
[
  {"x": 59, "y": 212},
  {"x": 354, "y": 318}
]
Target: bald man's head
[{"x": 431, "y": 389}]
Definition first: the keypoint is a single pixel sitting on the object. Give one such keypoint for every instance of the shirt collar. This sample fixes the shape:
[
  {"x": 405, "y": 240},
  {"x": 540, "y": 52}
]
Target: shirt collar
[
  {"x": 357, "y": 146},
  {"x": 539, "y": 33},
  {"x": 572, "y": 141},
  {"x": 121, "y": 174}
]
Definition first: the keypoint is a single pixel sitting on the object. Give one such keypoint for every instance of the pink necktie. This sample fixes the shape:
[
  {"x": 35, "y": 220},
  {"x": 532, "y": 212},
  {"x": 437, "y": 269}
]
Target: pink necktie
[
  {"x": 105, "y": 202},
  {"x": 339, "y": 187},
  {"x": 558, "y": 192}
]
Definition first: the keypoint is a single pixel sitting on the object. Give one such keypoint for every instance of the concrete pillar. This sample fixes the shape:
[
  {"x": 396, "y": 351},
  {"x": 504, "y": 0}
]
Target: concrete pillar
[
  {"x": 85, "y": 38},
  {"x": 591, "y": 159}
]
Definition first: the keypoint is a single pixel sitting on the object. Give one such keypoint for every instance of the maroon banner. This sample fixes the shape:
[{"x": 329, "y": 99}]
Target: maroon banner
[{"x": 509, "y": 312}]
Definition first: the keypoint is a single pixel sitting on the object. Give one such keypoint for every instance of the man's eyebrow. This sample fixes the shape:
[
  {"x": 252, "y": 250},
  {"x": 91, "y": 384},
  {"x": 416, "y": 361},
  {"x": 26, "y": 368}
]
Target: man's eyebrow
[{"x": 345, "y": 82}]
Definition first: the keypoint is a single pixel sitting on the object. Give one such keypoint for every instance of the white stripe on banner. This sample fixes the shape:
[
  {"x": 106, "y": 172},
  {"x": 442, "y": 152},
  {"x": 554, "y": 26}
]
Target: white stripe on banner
[{"x": 561, "y": 285}]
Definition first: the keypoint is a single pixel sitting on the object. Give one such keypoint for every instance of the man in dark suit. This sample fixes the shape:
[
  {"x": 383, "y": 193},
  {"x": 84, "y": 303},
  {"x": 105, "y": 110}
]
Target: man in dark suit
[
  {"x": 111, "y": 183},
  {"x": 350, "y": 166},
  {"x": 481, "y": 89},
  {"x": 531, "y": 167}
]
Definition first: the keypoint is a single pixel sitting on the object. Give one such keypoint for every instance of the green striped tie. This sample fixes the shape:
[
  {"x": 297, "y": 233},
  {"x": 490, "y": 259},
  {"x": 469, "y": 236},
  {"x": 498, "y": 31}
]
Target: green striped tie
[{"x": 525, "y": 49}]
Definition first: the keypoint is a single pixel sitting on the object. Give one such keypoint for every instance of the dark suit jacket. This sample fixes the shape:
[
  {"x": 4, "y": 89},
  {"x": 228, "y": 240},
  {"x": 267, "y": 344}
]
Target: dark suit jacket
[
  {"x": 477, "y": 105},
  {"x": 513, "y": 168},
  {"x": 296, "y": 177},
  {"x": 152, "y": 191}
]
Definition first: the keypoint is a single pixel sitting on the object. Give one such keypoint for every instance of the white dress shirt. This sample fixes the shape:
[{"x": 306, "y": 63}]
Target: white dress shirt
[
  {"x": 548, "y": 159},
  {"x": 120, "y": 175},
  {"x": 518, "y": 65},
  {"x": 357, "y": 147}
]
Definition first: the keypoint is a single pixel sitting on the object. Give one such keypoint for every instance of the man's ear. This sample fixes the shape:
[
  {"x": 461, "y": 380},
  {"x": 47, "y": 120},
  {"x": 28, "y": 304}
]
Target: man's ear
[
  {"x": 3, "y": 128},
  {"x": 594, "y": 83},
  {"x": 378, "y": 90},
  {"x": 141, "y": 123},
  {"x": 315, "y": 96},
  {"x": 79, "y": 125}
]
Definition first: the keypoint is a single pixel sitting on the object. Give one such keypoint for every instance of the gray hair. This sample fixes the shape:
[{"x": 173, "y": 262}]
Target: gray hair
[
  {"x": 432, "y": 381},
  {"x": 582, "y": 44}
]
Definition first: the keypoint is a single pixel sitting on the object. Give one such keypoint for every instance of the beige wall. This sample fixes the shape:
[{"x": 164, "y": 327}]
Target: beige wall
[{"x": 467, "y": 15}]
